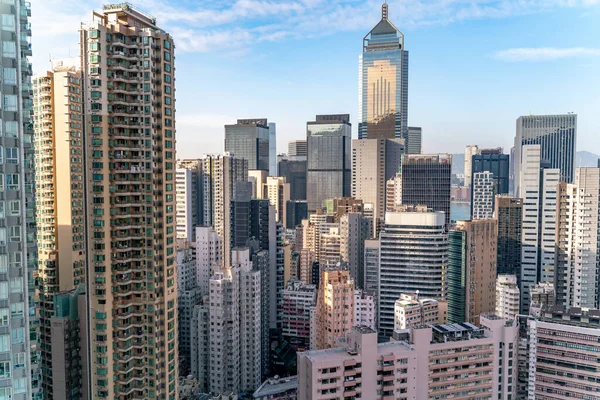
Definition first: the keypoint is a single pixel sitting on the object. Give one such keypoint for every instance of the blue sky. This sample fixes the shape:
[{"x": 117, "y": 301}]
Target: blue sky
[{"x": 475, "y": 65}]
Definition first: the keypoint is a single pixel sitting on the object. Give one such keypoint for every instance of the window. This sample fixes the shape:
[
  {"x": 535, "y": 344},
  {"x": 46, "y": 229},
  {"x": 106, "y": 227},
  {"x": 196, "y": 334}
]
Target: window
[
  {"x": 12, "y": 182},
  {"x": 14, "y": 233},
  {"x": 18, "y": 335},
  {"x": 10, "y": 76},
  {"x": 2, "y": 210},
  {"x": 9, "y": 49},
  {"x": 16, "y": 310},
  {"x": 8, "y": 22},
  {"x": 11, "y": 129},
  {"x": 20, "y": 385},
  {"x": 5, "y": 394},
  {"x": 10, "y": 102},
  {"x": 4, "y": 369},
  {"x": 14, "y": 208},
  {"x": 3, "y": 263},
  {"x": 12, "y": 155},
  {"x": 16, "y": 285},
  {"x": 4, "y": 343},
  {"x": 19, "y": 360}
]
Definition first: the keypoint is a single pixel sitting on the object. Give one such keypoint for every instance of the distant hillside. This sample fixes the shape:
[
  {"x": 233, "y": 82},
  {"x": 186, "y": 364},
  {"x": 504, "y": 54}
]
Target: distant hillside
[{"x": 582, "y": 159}]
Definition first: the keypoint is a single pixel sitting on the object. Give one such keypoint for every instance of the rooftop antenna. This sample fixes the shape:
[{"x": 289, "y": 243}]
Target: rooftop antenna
[{"x": 384, "y": 10}]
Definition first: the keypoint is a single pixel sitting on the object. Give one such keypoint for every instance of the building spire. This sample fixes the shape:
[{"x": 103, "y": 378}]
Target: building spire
[{"x": 384, "y": 10}]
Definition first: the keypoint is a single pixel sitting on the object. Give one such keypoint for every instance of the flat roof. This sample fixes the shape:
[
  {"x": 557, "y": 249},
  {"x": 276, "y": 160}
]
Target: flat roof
[{"x": 274, "y": 386}]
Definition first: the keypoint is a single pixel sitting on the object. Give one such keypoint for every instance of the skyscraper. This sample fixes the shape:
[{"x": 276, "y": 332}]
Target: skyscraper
[
  {"x": 374, "y": 161},
  {"x": 470, "y": 151},
  {"x": 508, "y": 211},
  {"x": 578, "y": 269},
  {"x": 539, "y": 187},
  {"x": 482, "y": 195},
  {"x": 328, "y": 168},
  {"x": 471, "y": 270},
  {"x": 415, "y": 140},
  {"x": 507, "y": 296},
  {"x": 425, "y": 180},
  {"x": 272, "y": 149},
  {"x": 557, "y": 137},
  {"x": 188, "y": 189},
  {"x": 383, "y": 83},
  {"x": 293, "y": 169},
  {"x": 492, "y": 160},
  {"x": 354, "y": 230},
  {"x": 61, "y": 229},
  {"x": 249, "y": 139},
  {"x": 129, "y": 91},
  {"x": 277, "y": 191},
  {"x": 413, "y": 253},
  {"x": 297, "y": 148}
]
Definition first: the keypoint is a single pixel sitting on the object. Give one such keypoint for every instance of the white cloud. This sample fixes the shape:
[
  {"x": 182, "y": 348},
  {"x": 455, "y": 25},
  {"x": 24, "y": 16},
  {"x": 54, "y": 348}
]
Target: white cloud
[{"x": 544, "y": 53}]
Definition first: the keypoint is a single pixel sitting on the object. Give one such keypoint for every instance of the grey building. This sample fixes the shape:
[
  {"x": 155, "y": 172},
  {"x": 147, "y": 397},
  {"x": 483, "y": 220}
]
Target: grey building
[
  {"x": 249, "y": 139},
  {"x": 294, "y": 171},
  {"x": 415, "y": 140},
  {"x": 557, "y": 137},
  {"x": 329, "y": 152},
  {"x": 495, "y": 163},
  {"x": 508, "y": 211},
  {"x": 425, "y": 180},
  {"x": 296, "y": 211},
  {"x": 297, "y": 148},
  {"x": 383, "y": 83},
  {"x": 272, "y": 149}
]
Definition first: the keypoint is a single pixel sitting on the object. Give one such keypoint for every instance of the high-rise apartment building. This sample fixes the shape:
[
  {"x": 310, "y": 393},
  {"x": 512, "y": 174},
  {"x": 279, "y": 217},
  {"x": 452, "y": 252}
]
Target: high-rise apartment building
[
  {"x": 508, "y": 211},
  {"x": 60, "y": 228},
  {"x": 383, "y": 83},
  {"x": 578, "y": 268},
  {"x": 414, "y": 140},
  {"x": 298, "y": 299},
  {"x": 188, "y": 200},
  {"x": 365, "y": 311},
  {"x": 471, "y": 270},
  {"x": 354, "y": 230},
  {"x": 277, "y": 191},
  {"x": 335, "y": 308},
  {"x": 371, "y": 268},
  {"x": 539, "y": 188},
  {"x": 470, "y": 151},
  {"x": 249, "y": 139},
  {"x": 374, "y": 161},
  {"x": 188, "y": 295},
  {"x": 460, "y": 360},
  {"x": 413, "y": 249},
  {"x": 482, "y": 195},
  {"x": 492, "y": 160},
  {"x": 221, "y": 173},
  {"x": 557, "y": 137},
  {"x": 209, "y": 256},
  {"x": 425, "y": 180},
  {"x": 129, "y": 108},
  {"x": 297, "y": 148},
  {"x": 410, "y": 310},
  {"x": 507, "y": 296},
  {"x": 328, "y": 166}
]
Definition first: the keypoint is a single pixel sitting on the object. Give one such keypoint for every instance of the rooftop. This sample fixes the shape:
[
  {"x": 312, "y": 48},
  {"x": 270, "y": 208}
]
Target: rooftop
[{"x": 276, "y": 385}]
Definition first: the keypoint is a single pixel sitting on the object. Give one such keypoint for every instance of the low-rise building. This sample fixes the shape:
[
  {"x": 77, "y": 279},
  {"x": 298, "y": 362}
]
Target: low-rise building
[
  {"x": 365, "y": 312},
  {"x": 277, "y": 388}
]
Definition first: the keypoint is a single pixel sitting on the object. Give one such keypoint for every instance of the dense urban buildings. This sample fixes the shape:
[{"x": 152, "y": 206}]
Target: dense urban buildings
[
  {"x": 425, "y": 180},
  {"x": 131, "y": 164},
  {"x": 492, "y": 160},
  {"x": 556, "y": 135},
  {"x": 383, "y": 83},
  {"x": 471, "y": 270},
  {"x": 410, "y": 311},
  {"x": 249, "y": 139},
  {"x": 413, "y": 254},
  {"x": 329, "y": 152},
  {"x": 298, "y": 300}
]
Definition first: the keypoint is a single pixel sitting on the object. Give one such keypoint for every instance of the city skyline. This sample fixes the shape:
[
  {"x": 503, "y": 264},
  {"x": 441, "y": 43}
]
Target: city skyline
[{"x": 279, "y": 50}]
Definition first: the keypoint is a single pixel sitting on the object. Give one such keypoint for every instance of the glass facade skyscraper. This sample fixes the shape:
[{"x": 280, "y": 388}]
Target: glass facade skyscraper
[
  {"x": 328, "y": 167},
  {"x": 249, "y": 139},
  {"x": 383, "y": 83}
]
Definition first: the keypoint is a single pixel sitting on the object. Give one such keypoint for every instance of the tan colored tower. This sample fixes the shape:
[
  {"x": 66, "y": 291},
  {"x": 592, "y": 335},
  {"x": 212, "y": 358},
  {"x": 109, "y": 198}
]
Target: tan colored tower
[
  {"x": 335, "y": 308},
  {"x": 60, "y": 219},
  {"x": 278, "y": 192},
  {"x": 129, "y": 96}
]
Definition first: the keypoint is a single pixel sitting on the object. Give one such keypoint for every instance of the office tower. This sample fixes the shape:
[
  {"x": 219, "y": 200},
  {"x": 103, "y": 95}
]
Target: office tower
[
  {"x": 492, "y": 160},
  {"x": 335, "y": 308},
  {"x": 508, "y": 211},
  {"x": 482, "y": 195},
  {"x": 556, "y": 135},
  {"x": 425, "y": 180},
  {"x": 371, "y": 274},
  {"x": 415, "y": 140},
  {"x": 470, "y": 151},
  {"x": 188, "y": 295},
  {"x": 130, "y": 126},
  {"x": 471, "y": 270},
  {"x": 410, "y": 310},
  {"x": 328, "y": 166},
  {"x": 221, "y": 173},
  {"x": 577, "y": 270},
  {"x": 188, "y": 190},
  {"x": 240, "y": 215},
  {"x": 297, "y": 148},
  {"x": 257, "y": 178},
  {"x": 272, "y": 149},
  {"x": 298, "y": 298},
  {"x": 294, "y": 172},
  {"x": 277, "y": 191},
  {"x": 295, "y": 212},
  {"x": 209, "y": 256},
  {"x": 563, "y": 343},
  {"x": 249, "y": 139},
  {"x": 374, "y": 161},
  {"x": 354, "y": 230},
  {"x": 413, "y": 254},
  {"x": 365, "y": 312},
  {"x": 383, "y": 83},
  {"x": 413, "y": 369},
  {"x": 60, "y": 201},
  {"x": 539, "y": 186},
  {"x": 507, "y": 296}
]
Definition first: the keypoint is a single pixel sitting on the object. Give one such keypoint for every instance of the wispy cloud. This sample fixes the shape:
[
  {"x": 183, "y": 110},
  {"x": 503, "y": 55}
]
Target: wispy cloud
[{"x": 544, "y": 53}]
